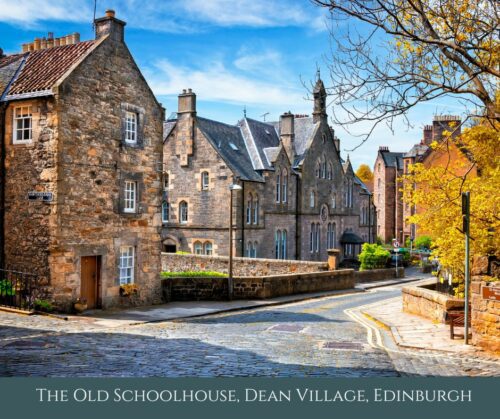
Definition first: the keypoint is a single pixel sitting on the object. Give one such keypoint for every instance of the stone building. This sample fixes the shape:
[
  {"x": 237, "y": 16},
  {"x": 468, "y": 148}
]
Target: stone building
[
  {"x": 392, "y": 212},
  {"x": 298, "y": 198},
  {"x": 81, "y": 137}
]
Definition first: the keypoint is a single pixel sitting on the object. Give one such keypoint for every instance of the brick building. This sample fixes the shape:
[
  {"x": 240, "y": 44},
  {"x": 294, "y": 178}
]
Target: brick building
[
  {"x": 298, "y": 197},
  {"x": 392, "y": 212},
  {"x": 81, "y": 137}
]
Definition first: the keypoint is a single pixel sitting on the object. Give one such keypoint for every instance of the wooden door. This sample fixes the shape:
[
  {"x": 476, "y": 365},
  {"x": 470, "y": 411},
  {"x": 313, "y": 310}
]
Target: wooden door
[{"x": 90, "y": 280}]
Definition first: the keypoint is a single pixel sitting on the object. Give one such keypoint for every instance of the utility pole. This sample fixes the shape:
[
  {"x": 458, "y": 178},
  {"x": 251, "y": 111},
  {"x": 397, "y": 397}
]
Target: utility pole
[{"x": 466, "y": 230}]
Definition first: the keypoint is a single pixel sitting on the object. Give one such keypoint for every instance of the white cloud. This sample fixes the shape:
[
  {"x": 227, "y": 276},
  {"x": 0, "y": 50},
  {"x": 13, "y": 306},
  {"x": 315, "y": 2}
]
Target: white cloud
[{"x": 215, "y": 82}]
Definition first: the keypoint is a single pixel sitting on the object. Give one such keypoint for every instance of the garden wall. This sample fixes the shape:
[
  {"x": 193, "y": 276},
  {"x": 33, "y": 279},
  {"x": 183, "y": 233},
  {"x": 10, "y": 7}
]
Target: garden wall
[
  {"x": 485, "y": 305},
  {"x": 256, "y": 287},
  {"x": 174, "y": 262},
  {"x": 429, "y": 303},
  {"x": 378, "y": 274}
]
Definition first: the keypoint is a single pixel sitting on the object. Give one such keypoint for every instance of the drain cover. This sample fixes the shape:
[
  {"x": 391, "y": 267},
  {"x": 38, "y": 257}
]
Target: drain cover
[
  {"x": 343, "y": 345},
  {"x": 287, "y": 328}
]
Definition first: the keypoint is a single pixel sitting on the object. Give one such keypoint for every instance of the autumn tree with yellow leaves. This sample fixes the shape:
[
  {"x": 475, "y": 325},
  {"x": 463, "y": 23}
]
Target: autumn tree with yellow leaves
[{"x": 396, "y": 54}]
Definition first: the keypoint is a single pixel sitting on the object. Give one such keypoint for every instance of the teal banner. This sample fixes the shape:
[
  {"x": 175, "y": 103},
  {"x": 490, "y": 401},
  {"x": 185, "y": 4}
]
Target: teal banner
[{"x": 248, "y": 397}]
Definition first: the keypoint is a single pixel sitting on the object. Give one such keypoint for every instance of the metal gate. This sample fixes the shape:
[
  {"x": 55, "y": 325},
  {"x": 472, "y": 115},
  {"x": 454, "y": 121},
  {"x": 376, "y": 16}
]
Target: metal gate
[{"x": 18, "y": 289}]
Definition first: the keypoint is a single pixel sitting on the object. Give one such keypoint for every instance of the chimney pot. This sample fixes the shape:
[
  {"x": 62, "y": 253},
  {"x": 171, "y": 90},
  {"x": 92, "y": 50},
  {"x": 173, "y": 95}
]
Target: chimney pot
[
  {"x": 37, "y": 44},
  {"x": 50, "y": 35},
  {"x": 110, "y": 13},
  {"x": 184, "y": 91},
  {"x": 190, "y": 91}
]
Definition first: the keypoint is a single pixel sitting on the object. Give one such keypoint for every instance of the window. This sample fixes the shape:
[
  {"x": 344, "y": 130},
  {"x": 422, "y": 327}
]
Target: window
[
  {"x": 334, "y": 200},
  {"x": 165, "y": 181},
  {"x": 165, "y": 212},
  {"x": 278, "y": 187},
  {"x": 22, "y": 125},
  {"x": 323, "y": 170},
  {"x": 283, "y": 244},
  {"x": 311, "y": 238},
  {"x": 126, "y": 265},
  {"x": 277, "y": 243},
  {"x": 131, "y": 127},
  {"x": 256, "y": 211},
  {"x": 130, "y": 196},
  {"x": 284, "y": 189},
  {"x": 183, "y": 212},
  {"x": 205, "y": 181},
  {"x": 249, "y": 249},
  {"x": 312, "y": 200},
  {"x": 198, "y": 248},
  {"x": 249, "y": 209},
  {"x": 317, "y": 237},
  {"x": 317, "y": 171},
  {"x": 254, "y": 250},
  {"x": 329, "y": 244},
  {"x": 208, "y": 248},
  {"x": 330, "y": 172},
  {"x": 314, "y": 238}
]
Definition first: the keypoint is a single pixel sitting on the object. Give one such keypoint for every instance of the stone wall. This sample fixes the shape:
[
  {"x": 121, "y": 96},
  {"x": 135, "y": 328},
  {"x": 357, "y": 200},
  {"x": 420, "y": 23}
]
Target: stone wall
[
  {"x": 256, "y": 287},
  {"x": 485, "y": 313},
  {"x": 428, "y": 303},
  {"x": 241, "y": 266},
  {"x": 378, "y": 274}
]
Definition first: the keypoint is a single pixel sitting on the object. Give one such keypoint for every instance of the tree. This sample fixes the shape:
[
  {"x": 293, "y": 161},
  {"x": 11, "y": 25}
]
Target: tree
[
  {"x": 405, "y": 52},
  {"x": 437, "y": 192},
  {"x": 364, "y": 173}
]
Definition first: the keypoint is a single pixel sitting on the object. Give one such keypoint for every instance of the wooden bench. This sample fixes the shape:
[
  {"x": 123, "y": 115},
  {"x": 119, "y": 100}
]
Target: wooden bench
[{"x": 457, "y": 319}]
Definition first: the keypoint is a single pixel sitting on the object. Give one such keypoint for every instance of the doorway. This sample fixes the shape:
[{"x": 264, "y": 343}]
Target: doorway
[{"x": 91, "y": 281}]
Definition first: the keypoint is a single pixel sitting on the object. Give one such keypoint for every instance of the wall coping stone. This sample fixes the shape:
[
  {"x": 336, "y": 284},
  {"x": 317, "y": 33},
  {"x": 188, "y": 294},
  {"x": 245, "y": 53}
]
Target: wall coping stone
[{"x": 447, "y": 301}]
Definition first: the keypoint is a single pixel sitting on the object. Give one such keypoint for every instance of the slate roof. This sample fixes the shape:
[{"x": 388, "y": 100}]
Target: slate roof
[
  {"x": 358, "y": 181},
  {"x": 417, "y": 150},
  {"x": 350, "y": 237},
  {"x": 392, "y": 159},
  {"x": 43, "y": 68},
  {"x": 9, "y": 66},
  {"x": 168, "y": 126},
  {"x": 264, "y": 136},
  {"x": 271, "y": 154},
  {"x": 229, "y": 143}
]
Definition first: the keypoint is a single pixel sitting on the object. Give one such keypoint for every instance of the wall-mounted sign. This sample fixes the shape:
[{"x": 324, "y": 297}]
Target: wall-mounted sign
[
  {"x": 491, "y": 293},
  {"x": 40, "y": 196}
]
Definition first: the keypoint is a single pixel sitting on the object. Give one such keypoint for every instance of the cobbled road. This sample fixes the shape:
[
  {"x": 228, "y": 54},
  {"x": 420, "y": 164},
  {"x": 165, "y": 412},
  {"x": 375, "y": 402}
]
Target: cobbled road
[{"x": 309, "y": 338}]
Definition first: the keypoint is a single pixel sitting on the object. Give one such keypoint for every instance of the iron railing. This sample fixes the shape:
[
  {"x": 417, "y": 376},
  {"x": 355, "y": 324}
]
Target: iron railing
[{"x": 18, "y": 289}]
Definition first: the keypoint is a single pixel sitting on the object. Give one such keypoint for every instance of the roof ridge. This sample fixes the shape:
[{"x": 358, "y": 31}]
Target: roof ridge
[{"x": 218, "y": 122}]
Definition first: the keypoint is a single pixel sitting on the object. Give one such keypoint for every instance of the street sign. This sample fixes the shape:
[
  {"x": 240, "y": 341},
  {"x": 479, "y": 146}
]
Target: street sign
[
  {"x": 40, "y": 196},
  {"x": 395, "y": 243},
  {"x": 490, "y": 293}
]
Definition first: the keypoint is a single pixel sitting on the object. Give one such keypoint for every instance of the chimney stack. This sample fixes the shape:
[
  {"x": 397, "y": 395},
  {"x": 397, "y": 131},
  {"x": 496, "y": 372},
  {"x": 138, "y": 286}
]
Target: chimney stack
[
  {"x": 287, "y": 134},
  {"x": 186, "y": 114},
  {"x": 427, "y": 135},
  {"x": 51, "y": 42},
  {"x": 443, "y": 123},
  {"x": 383, "y": 148},
  {"x": 110, "y": 26}
]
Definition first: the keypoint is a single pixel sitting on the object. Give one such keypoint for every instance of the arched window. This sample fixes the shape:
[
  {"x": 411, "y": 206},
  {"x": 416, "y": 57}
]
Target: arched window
[
  {"x": 183, "y": 212},
  {"x": 249, "y": 249},
  {"x": 330, "y": 172},
  {"x": 323, "y": 169},
  {"x": 254, "y": 250},
  {"x": 318, "y": 169},
  {"x": 334, "y": 200},
  {"x": 277, "y": 243},
  {"x": 351, "y": 195},
  {"x": 284, "y": 188},
  {"x": 205, "y": 179},
  {"x": 207, "y": 248},
  {"x": 256, "y": 210},
  {"x": 312, "y": 200},
  {"x": 311, "y": 238},
  {"x": 329, "y": 236},
  {"x": 334, "y": 236},
  {"x": 165, "y": 212},
  {"x": 165, "y": 181},
  {"x": 198, "y": 248},
  {"x": 278, "y": 187},
  {"x": 249, "y": 209},
  {"x": 283, "y": 244}
]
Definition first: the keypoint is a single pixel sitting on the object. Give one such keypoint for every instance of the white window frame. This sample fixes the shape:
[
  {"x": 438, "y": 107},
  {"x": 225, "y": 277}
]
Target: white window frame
[
  {"x": 208, "y": 248},
  {"x": 127, "y": 265},
  {"x": 278, "y": 187},
  {"x": 284, "y": 188},
  {"x": 24, "y": 115},
  {"x": 198, "y": 247},
  {"x": 130, "y": 196},
  {"x": 205, "y": 181},
  {"x": 249, "y": 210},
  {"x": 131, "y": 123},
  {"x": 256, "y": 211},
  {"x": 165, "y": 209},
  {"x": 183, "y": 214}
]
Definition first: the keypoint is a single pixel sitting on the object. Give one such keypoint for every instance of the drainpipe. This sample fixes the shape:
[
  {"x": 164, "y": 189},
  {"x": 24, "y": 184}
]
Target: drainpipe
[
  {"x": 3, "y": 107},
  {"x": 297, "y": 245},
  {"x": 243, "y": 220}
]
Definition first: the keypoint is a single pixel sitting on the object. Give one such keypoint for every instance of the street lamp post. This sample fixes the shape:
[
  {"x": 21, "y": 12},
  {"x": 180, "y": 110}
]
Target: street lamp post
[{"x": 233, "y": 187}]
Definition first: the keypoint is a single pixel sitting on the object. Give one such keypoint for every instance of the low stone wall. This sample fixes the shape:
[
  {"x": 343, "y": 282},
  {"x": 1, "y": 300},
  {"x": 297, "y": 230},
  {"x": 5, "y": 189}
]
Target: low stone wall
[
  {"x": 241, "y": 266},
  {"x": 378, "y": 274},
  {"x": 485, "y": 312},
  {"x": 429, "y": 303},
  {"x": 256, "y": 287}
]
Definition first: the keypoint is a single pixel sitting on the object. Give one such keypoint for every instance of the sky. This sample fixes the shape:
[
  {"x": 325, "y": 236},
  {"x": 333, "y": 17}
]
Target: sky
[{"x": 258, "y": 55}]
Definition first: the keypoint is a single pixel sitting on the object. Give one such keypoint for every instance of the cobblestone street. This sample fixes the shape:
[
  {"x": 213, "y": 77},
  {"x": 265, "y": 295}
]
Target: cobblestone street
[{"x": 308, "y": 338}]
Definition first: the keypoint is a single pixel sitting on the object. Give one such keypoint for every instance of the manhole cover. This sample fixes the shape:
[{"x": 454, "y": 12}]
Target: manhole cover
[
  {"x": 343, "y": 345},
  {"x": 287, "y": 328},
  {"x": 25, "y": 344}
]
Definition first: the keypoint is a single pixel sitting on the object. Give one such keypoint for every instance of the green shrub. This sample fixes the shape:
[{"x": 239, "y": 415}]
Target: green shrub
[
  {"x": 44, "y": 305},
  {"x": 6, "y": 288},
  {"x": 373, "y": 256},
  {"x": 423, "y": 242},
  {"x": 379, "y": 241},
  {"x": 195, "y": 274}
]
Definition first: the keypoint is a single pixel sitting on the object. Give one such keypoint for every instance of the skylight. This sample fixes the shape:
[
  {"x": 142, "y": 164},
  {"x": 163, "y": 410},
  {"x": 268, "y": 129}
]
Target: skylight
[{"x": 233, "y": 146}]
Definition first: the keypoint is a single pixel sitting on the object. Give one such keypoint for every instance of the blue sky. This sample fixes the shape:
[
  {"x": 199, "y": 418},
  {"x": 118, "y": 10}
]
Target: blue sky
[{"x": 232, "y": 53}]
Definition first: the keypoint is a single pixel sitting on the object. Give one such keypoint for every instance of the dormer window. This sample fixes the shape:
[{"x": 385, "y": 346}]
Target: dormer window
[
  {"x": 22, "y": 125},
  {"x": 130, "y": 127}
]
